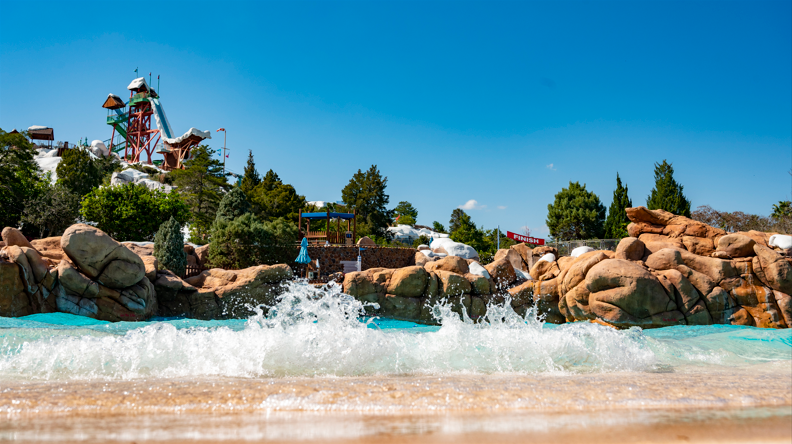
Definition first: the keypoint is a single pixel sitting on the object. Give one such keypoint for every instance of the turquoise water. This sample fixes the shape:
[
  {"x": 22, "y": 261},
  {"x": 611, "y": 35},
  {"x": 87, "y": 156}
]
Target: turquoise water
[{"x": 312, "y": 332}]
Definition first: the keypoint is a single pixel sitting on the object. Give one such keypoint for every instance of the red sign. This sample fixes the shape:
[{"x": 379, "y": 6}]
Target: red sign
[{"x": 523, "y": 238}]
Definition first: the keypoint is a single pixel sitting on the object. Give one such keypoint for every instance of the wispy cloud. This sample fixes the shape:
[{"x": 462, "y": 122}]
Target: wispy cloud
[
  {"x": 501, "y": 207},
  {"x": 472, "y": 204},
  {"x": 550, "y": 167}
]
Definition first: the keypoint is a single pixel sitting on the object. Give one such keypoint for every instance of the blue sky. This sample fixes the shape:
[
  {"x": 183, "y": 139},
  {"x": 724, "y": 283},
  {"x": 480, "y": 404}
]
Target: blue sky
[{"x": 503, "y": 103}]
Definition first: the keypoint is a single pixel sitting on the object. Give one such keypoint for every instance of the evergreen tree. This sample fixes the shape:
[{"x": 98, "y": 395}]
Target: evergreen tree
[
  {"x": 20, "y": 177},
  {"x": 78, "y": 172},
  {"x": 458, "y": 216},
  {"x": 406, "y": 213},
  {"x": 251, "y": 179},
  {"x": 576, "y": 214},
  {"x": 667, "y": 193},
  {"x": 246, "y": 242},
  {"x": 438, "y": 227},
  {"x": 365, "y": 193},
  {"x": 169, "y": 247},
  {"x": 201, "y": 184},
  {"x": 617, "y": 221},
  {"x": 282, "y": 201},
  {"x": 55, "y": 209},
  {"x": 233, "y": 205},
  {"x": 270, "y": 181}
]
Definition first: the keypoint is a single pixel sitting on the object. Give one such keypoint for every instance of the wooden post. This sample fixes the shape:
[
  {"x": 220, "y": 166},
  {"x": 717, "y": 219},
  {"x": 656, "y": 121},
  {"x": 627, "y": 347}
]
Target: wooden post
[
  {"x": 299, "y": 225},
  {"x": 327, "y": 226},
  {"x": 354, "y": 224},
  {"x": 338, "y": 231}
]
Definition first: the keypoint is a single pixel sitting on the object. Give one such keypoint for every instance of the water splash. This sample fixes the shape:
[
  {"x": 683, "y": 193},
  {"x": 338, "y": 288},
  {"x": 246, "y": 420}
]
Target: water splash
[{"x": 318, "y": 332}]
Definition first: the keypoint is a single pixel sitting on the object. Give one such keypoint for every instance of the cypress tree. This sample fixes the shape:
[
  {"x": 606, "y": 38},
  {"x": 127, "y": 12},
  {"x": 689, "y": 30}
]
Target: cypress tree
[
  {"x": 667, "y": 193},
  {"x": 617, "y": 221},
  {"x": 169, "y": 247},
  {"x": 251, "y": 178},
  {"x": 233, "y": 205},
  {"x": 576, "y": 213}
]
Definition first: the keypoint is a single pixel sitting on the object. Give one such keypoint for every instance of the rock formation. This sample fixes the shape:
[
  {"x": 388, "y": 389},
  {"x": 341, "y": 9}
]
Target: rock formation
[{"x": 672, "y": 270}]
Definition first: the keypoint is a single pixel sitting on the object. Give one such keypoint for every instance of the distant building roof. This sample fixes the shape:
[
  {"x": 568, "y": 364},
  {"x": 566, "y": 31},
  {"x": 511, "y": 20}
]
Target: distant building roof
[
  {"x": 113, "y": 102},
  {"x": 39, "y": 132},
  {"x": 138, "y": 84}
]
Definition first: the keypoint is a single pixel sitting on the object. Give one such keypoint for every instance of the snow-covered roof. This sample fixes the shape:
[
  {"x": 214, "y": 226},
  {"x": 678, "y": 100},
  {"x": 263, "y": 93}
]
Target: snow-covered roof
[
  {"x": 138, "y": 83},
  {"x": 37, "y": 128},
  {"x": 190, "y": 132}
]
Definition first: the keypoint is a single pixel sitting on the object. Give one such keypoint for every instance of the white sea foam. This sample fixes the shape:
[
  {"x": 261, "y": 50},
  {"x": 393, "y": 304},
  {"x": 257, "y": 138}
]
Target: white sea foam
[{"x": 313, "y": 332}]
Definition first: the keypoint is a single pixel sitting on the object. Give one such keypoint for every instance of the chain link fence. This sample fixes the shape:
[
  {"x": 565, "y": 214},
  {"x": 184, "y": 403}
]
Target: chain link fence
[{"x": 565, "y": 247}]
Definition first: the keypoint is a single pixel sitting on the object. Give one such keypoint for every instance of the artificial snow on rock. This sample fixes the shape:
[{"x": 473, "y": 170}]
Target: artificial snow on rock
[
  {"x": 523, "y": 274},
  {"x": 455, "y": 248},
  {"x": 138, "y": 177},
  {"x": 48, "y": 165},
  {"x": 549, "y": 257},
  {"x": 408, "y": 234},
  {"x": 99, "y": 149},
  {"x": 477, "y": 269},
  {"x": 579, "y": 251},
  {"x": 781, "y": 241}
]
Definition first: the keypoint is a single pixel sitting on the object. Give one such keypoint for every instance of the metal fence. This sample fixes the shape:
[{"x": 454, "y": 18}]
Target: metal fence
[{"x": 565, "y": 247}]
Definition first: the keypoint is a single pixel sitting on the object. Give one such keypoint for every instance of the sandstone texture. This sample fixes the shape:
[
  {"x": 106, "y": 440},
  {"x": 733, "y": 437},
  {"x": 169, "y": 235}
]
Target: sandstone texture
[{"x": 672, "y": 270}]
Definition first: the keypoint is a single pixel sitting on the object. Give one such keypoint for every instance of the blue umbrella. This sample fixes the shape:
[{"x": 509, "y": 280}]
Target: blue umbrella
[{"x": 303, "y": 257}]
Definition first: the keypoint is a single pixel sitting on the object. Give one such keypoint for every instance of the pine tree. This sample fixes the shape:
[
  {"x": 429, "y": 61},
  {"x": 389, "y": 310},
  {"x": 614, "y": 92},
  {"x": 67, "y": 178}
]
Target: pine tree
[
  {"x": 270, "y": 181},
  {"x": 617, "y": 221},
  {"x": 365, "y": 192},
  {"x": 201, "y": 184},
  {"x": 251, "y": 179},
  {"x": 20, "y": 177},
  {"x": 576, "y": 214},
  {"x": 233, "y": 205},
  {"x": 667, "y": 193},
  {"x": 78, "y": 172},
  {"x": 169, "y": 247}
]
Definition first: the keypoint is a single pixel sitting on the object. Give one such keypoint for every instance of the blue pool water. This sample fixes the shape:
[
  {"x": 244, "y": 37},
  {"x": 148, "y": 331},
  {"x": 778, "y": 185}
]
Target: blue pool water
[{"x": 313, "y": 332}]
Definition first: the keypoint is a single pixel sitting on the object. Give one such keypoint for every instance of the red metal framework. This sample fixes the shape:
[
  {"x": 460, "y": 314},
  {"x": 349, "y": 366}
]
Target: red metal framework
[{"x": 140, "y": 136}]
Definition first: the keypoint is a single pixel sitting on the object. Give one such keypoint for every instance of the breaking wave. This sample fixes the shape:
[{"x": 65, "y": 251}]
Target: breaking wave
[{"x": 322, "y": 332}]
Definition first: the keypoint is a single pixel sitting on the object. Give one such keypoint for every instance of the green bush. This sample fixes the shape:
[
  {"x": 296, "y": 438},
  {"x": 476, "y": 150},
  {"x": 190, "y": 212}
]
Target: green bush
[
  {"x": 78, "y": 172},
  {"x": 422, "y": 240},
  {"x": 246, "y": 242},
  {"x": 576, "y": 213},
  {"x": 169, "y": 247},
  {"x": 233, "y": 205},
  {"x": 132, "y": 212},
  {"x": 55, "y": 209},
  {"x": 20, "y": 177}
]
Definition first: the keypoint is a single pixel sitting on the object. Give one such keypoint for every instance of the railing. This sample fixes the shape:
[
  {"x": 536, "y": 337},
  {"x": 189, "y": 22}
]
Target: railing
[
  {"x": 334, "y": 237},
  {"x": 565, "y": 247},
  {"x": 192, "y": 271}
]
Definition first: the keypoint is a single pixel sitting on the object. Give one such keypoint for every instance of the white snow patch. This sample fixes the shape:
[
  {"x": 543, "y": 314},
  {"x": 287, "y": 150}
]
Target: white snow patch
[
  {"x": 580, "y": 251},
  {"x": 523, "y": 274},
  {"x": 781, "y": 241},
  {"x": 477, "y": 269},
  {"x": 549, "y": 257}
]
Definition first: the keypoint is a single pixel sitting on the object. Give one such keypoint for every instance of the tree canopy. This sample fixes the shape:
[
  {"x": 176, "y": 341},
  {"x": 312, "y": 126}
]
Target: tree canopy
[
  {"x": 406, "y": 213},
  {"x": 78, "y": 172},
  {"x": 438, "y": 227},
  {"x": 247, "y": 241},
  {"x": 576, "y": 214},
  {"x": 667, "y": 193},
  {"x": 53, "y": 210},
  {"x": 251, "y": 179},
  {"x": 132, "y": 212},
  {"x": 617, "y": 221},
  {"x": 365, "y": 193},
  {"x": 169, "y": 247},
  {"x": 232, "y": 205},
  {"x": 20, "y": 177},
  {"x": 201, "y": 184}
]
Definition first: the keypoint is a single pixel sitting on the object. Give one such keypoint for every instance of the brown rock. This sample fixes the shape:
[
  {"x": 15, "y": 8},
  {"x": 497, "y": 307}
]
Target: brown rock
[
  {"x": 453, "y": 264},
  {"x": 760, "y": 237},
  {"x": 366, "y": 241},
  {"x": 648, "y": 238},
  {"x": 522, "y": 294},
  {"x": 14, "y": 300},
  {"x": 189, "y": 249},
  {"x": 716, "y": 269},
  {"x": 625, "y": 294},
  {"x": 408, "y": 282},
  {"x": 479, "y": 284},
  {"x": 766, "y": 316},
  {"x": 49, "y": 248},
  {"x": 698, "y": 245},
  {"x": 544, "y": 249},
  {"x": 151, "y": 264},
  {"x": 674, "y": 226},
  {"x": 541, "y": 268},
  {"x": 100, "y": 257},
  {"x": 421, "y": 259},
  {"x": 512, "y": 256},
  {"x": 399, "y": 307},
  {"x": 202, "y": 253},
  {"x": 720, "y": 305},
  {"x": 631, "y": 249},
  {"x": 11, "y": 236},
  {"x": 452, "y": 284},
  {"x": 784, "y": 302},
  {"x": 773, "y": 269},
  {"x": 360, "y": 283},
  {"x": 576, "y": 273},
  {"x": 736, "y": 245},
  {"x": 76, "y": 283},
  {"x": 526, "y": 254},
  {"x": 687, "y": 299},
  {"x": 140, "y": 250},
  {"x": 565, "y": 261},
  {"x": 742, "y": 317},
  {"x": 502, "y": 272}
]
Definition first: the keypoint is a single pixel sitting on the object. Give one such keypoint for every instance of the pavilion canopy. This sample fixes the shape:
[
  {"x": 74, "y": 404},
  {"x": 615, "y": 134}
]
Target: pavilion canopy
[{"x": 314, "y": 216}]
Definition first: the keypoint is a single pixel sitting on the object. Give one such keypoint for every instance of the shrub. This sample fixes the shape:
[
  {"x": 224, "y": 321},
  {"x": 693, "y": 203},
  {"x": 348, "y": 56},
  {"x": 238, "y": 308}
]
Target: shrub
[
  {"x": 20, "y": 177},
  {"x": 132, "y": 212},
  {"x": 78, "y": 172},
  {"x": 233, "y": 205},
  {"x": 422, "y": 240},
  {"x": 246, "y": 242},
  {"x": 169, "y": 247},
  {"x": 54, "y": 210}
]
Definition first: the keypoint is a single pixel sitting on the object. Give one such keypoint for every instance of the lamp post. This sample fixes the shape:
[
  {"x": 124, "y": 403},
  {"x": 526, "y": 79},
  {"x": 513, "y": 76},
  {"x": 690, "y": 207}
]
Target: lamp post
[{"x": 225, "y": 134}]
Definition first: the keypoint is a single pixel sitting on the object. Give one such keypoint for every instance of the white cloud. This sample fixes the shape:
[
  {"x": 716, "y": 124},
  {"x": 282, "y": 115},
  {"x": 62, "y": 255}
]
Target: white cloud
[
  {"x": 472, "y": 204},
  {"x": 550, "y": 167},
  {"x": 501, "y": 207}
]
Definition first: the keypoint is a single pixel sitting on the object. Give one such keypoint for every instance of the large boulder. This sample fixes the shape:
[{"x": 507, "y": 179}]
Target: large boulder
[
  {"x": 14, "y": 300},
  {"x": 512, "y": 256},
  {"x": 101, "y": 258},
  {"x": 631, "y": 249},
  {"x": 624, "y": 294},
  {"x": 453, "y": 264},
  {"x": 773, "y": 269},
  {"x": 453, "y": 284},
  {"x": 671, "y": 225},
  {"x": 714, "y": 268},
  {"x": 49, "y": 248},
  {"x": 526, "y": 254},
  {"x": 408, "y": 282},
  {"x": 178, "y": 298},
  {"x": 735, "y": 245},
  {"x": 502, "y": 272},
  {"x": 12, "y": 236}
]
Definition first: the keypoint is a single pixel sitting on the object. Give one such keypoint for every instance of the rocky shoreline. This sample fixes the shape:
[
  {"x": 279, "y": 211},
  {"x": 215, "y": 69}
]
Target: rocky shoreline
[{"x": 672, "y": 270}]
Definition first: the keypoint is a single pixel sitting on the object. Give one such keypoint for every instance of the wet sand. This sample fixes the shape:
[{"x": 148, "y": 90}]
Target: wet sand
[{"x": 753, "y": 405}]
